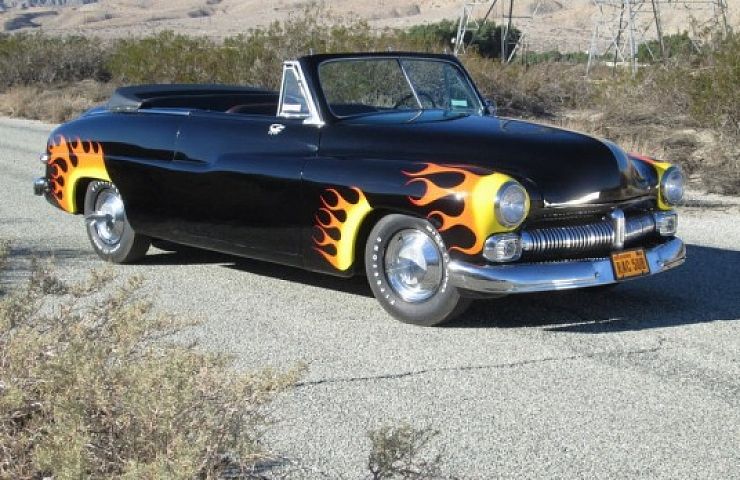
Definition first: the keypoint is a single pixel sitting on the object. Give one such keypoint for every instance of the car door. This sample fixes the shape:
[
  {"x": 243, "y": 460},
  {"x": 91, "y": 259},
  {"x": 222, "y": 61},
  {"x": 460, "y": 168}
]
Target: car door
[
  {"x": 238, "y": 183},
  {"x": 239, "y": 178}
]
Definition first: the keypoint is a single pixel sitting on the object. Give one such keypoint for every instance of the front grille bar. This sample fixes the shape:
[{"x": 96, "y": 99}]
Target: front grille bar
[{"x": 603, "y": 235}]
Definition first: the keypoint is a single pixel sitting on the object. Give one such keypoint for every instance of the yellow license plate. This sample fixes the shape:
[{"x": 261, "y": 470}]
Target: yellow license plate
[{"x": 630, "y": 263}]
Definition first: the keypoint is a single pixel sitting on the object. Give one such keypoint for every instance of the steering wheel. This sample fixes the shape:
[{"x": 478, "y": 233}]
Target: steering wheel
[{"x": 409, "y": 96}]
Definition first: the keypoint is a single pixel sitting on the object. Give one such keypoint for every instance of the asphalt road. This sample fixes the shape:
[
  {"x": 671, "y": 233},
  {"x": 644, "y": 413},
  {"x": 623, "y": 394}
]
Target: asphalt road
[{"x": 643, "y": 382}]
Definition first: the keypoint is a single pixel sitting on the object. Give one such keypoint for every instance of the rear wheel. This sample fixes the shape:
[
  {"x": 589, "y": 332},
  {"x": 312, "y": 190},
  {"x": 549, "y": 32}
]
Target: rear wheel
[
  {"x": 109, "y": 232},
  {"x": 406, "y": 263}
]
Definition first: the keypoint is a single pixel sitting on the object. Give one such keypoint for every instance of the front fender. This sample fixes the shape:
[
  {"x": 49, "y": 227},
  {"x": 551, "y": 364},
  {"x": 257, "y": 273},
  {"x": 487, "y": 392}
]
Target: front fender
[{"x": 340, "y": 194}]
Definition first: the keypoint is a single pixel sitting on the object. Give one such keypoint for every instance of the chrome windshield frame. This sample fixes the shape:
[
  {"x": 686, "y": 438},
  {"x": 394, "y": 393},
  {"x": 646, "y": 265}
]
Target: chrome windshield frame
[
  {"x": 479, "y": 110},
  {"x": 314, "y": 116}
]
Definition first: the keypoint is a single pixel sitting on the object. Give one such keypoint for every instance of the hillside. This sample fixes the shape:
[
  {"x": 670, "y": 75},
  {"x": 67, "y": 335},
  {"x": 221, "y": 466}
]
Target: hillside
[{"x": 559, "y": 24}]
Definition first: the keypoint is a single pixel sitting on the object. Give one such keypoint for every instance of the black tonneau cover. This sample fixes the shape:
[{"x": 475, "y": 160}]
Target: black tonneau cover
[{"x": 129, "y": 99}]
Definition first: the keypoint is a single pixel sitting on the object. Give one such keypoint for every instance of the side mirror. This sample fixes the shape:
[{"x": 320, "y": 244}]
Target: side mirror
[{"x": 490, "y": 107}]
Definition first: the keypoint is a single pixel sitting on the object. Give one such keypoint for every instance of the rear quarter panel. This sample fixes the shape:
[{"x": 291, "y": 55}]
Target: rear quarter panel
[{"x": 110, "y": 146}]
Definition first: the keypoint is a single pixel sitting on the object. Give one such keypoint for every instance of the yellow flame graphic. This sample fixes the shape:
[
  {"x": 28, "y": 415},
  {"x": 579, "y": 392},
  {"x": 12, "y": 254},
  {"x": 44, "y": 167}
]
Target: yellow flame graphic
[
  {"x": 69, "y": 161},
  {"x": 475, "y": 192},
  {"x": 337, "y": 242}
]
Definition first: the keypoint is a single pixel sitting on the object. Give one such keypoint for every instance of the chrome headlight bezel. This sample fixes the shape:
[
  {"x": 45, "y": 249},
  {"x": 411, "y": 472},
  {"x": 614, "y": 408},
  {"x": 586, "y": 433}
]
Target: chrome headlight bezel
[
  {"x": 511, "y": 214},
  {"x": 672, "y": 186}
]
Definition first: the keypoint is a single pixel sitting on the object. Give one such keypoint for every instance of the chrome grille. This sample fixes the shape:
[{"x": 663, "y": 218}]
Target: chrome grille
[{"x": 589, "y": 237}]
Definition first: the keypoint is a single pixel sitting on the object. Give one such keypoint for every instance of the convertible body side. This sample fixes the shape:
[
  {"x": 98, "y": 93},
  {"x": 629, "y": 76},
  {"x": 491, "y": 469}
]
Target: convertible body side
[{"x": 277, "y": 176}]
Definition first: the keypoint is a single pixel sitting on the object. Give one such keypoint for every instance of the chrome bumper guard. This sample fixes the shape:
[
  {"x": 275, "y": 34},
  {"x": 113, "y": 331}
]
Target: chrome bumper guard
[
  {"x": 562, "y": 275},
  {"x": 40, "y": 186}
]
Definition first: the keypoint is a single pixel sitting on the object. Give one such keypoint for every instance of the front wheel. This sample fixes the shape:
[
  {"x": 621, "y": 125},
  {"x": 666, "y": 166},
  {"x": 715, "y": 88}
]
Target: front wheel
[
  {"x": 107, "y": 226},
  {"x": 406, "y": 263}
]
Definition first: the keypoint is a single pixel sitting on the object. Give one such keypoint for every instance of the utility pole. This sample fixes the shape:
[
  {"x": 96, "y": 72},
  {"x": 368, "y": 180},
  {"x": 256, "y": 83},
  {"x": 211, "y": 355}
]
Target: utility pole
[{"x": 659, "y": 29}]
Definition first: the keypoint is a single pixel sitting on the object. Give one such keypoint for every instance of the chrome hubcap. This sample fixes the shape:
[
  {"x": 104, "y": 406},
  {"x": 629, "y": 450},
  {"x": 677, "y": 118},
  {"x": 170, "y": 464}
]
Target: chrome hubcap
[
  {"x": 413, "y": 265},
  {"x": 109, "y": 217}
]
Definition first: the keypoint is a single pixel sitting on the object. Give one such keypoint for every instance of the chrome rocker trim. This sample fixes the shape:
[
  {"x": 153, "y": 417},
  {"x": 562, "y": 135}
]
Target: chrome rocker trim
[{"x": 569, "y": 274}]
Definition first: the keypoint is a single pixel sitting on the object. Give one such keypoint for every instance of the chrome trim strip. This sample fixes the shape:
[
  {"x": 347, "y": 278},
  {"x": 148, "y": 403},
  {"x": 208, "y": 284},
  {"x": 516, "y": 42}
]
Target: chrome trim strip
[
  {"x": 164, "y": 111},
  {"x": 411, "y": 84},
  {"x": 565, "y": 275}
]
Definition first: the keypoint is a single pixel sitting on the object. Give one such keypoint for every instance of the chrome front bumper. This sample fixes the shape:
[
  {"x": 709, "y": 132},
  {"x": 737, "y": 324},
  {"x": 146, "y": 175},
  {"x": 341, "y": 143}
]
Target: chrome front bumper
[{"x": 564, "y": 275}]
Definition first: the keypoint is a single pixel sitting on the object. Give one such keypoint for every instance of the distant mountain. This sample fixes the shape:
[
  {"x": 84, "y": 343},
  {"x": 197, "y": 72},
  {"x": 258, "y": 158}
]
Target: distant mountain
[
  {"x": 566, "y": 26},
  {"x": 8, "y": 4}
]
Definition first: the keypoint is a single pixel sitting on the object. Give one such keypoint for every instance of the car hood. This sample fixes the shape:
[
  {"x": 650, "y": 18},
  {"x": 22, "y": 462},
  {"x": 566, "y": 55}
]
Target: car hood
[{"x": 559, "y": 166}]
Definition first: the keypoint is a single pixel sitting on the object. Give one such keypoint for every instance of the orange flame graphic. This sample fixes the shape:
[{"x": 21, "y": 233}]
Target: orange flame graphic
[
  {"x": 70, "y": 161},
  {"x": 337, "y": 242},
  {"x": 475, "y": 192}
]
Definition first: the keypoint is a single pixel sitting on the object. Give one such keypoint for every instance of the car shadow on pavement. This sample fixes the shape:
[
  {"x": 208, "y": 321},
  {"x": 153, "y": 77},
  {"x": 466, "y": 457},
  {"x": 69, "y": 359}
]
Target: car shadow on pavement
[
  {"x": 192, "y": 256},
  {"x": 704, "y": 289}
]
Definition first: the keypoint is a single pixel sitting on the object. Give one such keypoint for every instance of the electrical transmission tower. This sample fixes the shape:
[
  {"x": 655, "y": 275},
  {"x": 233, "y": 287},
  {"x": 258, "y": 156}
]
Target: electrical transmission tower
[
  {"x": 472, "y": 19},
  {"x": 621, "y": 26}
]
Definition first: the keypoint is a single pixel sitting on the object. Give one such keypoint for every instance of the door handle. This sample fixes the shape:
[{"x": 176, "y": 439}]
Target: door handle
[{"x": 276, "y": 129}]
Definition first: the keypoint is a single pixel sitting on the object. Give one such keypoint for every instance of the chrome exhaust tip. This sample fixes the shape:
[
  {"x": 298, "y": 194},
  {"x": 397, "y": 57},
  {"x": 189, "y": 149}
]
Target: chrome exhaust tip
[{"x": 40, "y": 186}]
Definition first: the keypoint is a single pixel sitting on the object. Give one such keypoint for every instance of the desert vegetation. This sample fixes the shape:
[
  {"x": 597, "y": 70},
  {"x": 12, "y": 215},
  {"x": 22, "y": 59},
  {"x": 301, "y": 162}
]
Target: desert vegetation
[
  {"x": 90, "y": 387},
  {"x": 683, "y": 108},
  {"x": 94, "y": 384}
]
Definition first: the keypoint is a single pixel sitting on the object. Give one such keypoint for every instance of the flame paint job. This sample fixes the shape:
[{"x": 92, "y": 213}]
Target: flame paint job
[
  {"x": 219, "y": 181},
  {"x": 69, "y": 162},
  {"x": 473, "y": 196},
  {"x": 337, "y": 237},
  {"x": 660, "y": 169}
]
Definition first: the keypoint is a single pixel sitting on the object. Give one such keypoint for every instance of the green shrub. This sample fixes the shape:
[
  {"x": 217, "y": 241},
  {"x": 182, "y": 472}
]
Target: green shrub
[
  {"x": 167, "y": 58},
  {"x": 90, "y": 388},
  {"x": 253, "y": 58},
  {"x": 486, "y": 40},
  {"x": 676, "y": 45},
  {"x": 28, "y": 59},
  {"x": 555, "y": 56}
]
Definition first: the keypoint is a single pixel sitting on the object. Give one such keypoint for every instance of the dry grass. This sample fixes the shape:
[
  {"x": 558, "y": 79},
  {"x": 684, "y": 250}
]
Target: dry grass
[
  {"x": 60, "y": 104},
  {"x": 403, "y": 453},
  {"x": 684, "y": 111},
  {"x": 91, "y": 388}
]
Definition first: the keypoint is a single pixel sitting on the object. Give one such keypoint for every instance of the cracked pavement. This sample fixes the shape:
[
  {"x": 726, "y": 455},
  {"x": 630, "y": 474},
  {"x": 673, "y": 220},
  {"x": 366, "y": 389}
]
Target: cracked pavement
[{"x": 642, "y": 381}]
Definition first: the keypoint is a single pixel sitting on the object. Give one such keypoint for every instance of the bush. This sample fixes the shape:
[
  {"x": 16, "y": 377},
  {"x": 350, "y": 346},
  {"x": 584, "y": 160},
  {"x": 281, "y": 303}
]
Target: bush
[
  {"x": 714, "y": 90},
  {"x": 30, "y": 59},
  {"x": 90, "y": 388},
  {"x": 486, "y": 41},
  {"x": 676, "y": 45},
  {"x": 402, "y": 453},
  {"x": 254, "y": 58},
  {"x": 543, "y": 89}
]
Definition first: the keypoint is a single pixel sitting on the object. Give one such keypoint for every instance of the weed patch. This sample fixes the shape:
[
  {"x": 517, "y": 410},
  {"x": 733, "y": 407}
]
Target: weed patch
[{"x": 90, "y": 387}]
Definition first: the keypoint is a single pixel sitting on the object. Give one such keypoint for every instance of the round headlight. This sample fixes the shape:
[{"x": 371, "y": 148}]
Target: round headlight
[
  {"x": 512, "y": 204},
  {"x": 671, "y": 186}
]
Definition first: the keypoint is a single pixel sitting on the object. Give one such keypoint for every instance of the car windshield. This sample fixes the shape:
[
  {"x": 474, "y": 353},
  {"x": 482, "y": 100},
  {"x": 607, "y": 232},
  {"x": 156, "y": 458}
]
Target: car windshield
[{"x": 371, "y": 85}]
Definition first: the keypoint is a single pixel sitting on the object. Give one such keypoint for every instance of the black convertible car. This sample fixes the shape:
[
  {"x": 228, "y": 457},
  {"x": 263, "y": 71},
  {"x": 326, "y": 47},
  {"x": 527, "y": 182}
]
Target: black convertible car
[{"x": 390, "y": 165}]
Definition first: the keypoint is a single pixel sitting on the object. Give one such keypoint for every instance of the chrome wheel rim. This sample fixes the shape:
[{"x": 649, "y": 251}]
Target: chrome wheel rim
[
  {"x": 413, "y": 265},
  {"x": 109, "y": 217}
]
